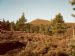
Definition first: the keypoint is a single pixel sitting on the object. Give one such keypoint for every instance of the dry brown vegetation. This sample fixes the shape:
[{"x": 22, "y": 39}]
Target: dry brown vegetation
[{"x": 36, "y": 44}]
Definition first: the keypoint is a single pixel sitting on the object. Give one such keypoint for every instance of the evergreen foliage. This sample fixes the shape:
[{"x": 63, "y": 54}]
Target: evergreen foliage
[
  {"x": 58, "y": 25},
  {"x": 20, "y": 24},
  {"x": 5, "y": 25},
  {"x": 73, "y": 3}
]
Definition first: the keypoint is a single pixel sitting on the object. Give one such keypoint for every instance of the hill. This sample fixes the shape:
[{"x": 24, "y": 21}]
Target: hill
[{"x": 39, "y": 22}]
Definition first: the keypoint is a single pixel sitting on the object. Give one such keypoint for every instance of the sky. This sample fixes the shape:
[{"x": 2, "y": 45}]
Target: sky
[{"x": 33, "y": 9}]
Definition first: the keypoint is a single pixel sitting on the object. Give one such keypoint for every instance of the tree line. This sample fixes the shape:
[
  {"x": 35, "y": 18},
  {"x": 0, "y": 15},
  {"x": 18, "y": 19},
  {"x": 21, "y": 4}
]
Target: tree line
[{"x": 57, "y": 25}]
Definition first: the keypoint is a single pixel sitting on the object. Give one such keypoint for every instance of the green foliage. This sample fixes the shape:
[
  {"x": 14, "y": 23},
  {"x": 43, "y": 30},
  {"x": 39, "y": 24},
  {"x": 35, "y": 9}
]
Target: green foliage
[
  {"x": 58, "y": 25},
  {"x": 12, "y": 26},
  {"x": 28, "y": 27},
  {"x": 36, "y": 29},
  {"x": 72, "y": 2},
  {"x": 5, "y": 25},
  {"x": 20, "y": 24}
]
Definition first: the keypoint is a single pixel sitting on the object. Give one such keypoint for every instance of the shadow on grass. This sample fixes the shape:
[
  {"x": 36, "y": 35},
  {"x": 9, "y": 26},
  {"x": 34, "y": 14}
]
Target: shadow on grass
[{"x": 5, "y": 47}]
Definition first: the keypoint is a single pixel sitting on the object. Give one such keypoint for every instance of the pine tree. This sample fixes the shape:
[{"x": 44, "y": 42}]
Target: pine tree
[
  {"x": 58, "y": 25},
  {"x": 20, "y": 24},
  {"x": 5, "y": 25},
  {"x": 73, "y": 3}
]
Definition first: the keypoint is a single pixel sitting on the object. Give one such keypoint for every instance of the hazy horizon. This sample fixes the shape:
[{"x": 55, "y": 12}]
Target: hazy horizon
[{"x": 45, "y": 9}]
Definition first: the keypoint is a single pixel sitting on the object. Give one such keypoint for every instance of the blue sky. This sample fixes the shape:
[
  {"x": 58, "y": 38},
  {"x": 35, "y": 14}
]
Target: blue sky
[{"x": 45, "y": 9}]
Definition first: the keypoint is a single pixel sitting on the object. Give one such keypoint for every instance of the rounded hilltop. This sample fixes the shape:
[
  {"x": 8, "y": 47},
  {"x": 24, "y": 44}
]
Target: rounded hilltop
[{"x": 39, "y": 22}]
